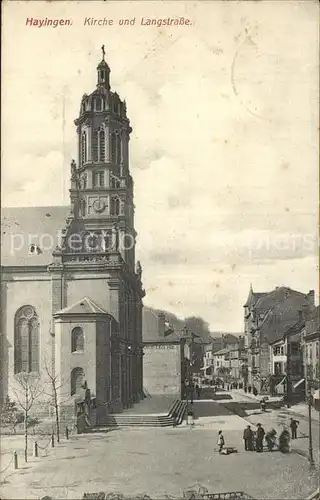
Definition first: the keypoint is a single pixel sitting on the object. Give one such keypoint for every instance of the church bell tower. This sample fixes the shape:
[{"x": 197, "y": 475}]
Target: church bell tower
[
  {"x": 101, "y": 185},
  {"x": 94, "y": 274}
]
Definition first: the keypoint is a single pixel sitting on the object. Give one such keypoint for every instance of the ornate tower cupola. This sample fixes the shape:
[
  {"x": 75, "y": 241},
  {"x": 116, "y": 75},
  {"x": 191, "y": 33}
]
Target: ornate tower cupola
[
  {"x": 101, "y": 191},
  {"x": 103, "y": 72}
]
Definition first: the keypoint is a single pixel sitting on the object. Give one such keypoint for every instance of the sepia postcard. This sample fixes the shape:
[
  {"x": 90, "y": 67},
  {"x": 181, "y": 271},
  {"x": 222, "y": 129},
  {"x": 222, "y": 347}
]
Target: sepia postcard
[{"x": 160, "y": 327}]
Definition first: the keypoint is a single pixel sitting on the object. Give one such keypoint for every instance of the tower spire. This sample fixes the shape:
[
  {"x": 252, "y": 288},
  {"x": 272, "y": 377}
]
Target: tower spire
[{"x": 103, "y": 71}]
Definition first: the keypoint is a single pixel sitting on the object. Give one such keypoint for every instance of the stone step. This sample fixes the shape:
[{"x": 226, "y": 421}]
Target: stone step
[{"x": 174, "y": 417}]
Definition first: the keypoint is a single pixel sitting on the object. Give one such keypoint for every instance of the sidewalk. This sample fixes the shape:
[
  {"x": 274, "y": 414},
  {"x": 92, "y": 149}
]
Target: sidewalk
[
  {"x": 298, "y": 410},
  {"x": 247, "y": 406}
]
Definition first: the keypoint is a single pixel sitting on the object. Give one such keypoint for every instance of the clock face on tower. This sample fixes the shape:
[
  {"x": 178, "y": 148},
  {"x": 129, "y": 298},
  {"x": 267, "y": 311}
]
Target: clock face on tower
[{"x": 99, "y": 206}]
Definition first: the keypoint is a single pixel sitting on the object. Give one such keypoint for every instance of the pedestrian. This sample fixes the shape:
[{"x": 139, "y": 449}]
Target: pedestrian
[
  {"x": 248, "y": 438},
  {"x": 198, "y": 391},
  {"x": 284, "y": 441},
  {"x": 294, "y": 426},
  {"x": 220, "y": 441},
  {"x": 260, "y": 436}
]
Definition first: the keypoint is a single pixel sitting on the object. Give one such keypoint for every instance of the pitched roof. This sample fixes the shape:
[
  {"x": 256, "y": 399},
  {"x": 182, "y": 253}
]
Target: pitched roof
[
  {"x": 277, "y": 296},
  {"x": 221, "y": 352},
  {"x": 150, "y": 329},
  {"x": 253, "y": 297},
  {"x": 22, "y": 227},
  {"x": 83, "y": 306},
  {"x": 313, "y": 323},
  {"x": 283, "y": 316}
]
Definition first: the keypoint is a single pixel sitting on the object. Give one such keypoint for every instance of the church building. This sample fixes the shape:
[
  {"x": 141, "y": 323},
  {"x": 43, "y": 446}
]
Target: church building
[{"x": 71, "y": 291}]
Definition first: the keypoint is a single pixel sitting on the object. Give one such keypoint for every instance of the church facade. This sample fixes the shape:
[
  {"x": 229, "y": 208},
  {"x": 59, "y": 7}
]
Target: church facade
[{"x": 71, "y": 290}]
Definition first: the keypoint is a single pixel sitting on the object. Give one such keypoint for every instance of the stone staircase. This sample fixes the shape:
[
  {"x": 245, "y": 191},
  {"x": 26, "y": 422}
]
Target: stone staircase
[{"x": 173, "y": 418}]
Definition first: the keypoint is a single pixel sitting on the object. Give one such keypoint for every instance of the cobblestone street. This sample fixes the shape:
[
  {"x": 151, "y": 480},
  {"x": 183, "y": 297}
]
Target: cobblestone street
[{"x": 162, "y": 461}]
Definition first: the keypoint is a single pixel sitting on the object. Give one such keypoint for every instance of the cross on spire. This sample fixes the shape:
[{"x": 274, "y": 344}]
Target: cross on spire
[{"x": 103, "y": 52}]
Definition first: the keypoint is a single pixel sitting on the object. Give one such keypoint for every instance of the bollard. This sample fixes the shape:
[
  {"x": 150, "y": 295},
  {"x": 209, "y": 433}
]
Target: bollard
[
  {"x": 52, "y": 441},
  {"x": 35, "y": 449},
  {"x": 15, "y": 460},
  {"x": 67, "y": 432}
]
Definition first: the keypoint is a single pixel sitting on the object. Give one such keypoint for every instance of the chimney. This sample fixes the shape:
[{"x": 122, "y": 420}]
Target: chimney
[
  {"x": 311, "y": 297},
  {"x": 300, "y": 313},
  {"x": 161, "y": 324}
]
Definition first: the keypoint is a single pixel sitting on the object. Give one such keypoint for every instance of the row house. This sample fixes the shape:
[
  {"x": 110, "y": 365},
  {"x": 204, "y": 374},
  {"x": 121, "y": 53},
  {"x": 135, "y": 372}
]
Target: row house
[
  {"x": 310, "y": 346},
  {"x": 221, "y": 363},
  {"x": 208, "y": 362},
  {"x": 230, "y": 360},
  {"x": 267, "y": 316},
  {"x": 286, "y": 363},
  {"x": 226, "y": 352}
]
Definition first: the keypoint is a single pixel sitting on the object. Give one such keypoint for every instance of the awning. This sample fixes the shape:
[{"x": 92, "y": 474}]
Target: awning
[
  {"x": 281, "y": 382},
  {"x": 298, "y": 383}
]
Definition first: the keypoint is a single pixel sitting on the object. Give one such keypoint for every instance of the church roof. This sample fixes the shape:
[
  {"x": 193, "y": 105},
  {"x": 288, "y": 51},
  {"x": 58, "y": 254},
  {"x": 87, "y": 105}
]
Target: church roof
[
  {"x": 24, "y": 227},
  {"x": 83, "y": 306}
]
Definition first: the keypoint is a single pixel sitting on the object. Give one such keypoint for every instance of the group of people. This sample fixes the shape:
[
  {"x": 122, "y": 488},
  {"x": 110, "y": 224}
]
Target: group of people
[
  {"x": 253, "y": 441},
  {"x": 192, "y": 390}
]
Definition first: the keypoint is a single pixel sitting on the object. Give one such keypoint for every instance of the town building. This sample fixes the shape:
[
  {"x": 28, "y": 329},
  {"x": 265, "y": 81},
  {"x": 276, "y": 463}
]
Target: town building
[
  {"x": 228, "y": 362},
  {"x": 287, "y": 363},
  {"x": 221, "y": 364},
  {"x": 164, "y": 363},
  {"x": 71, "y": 290},
  {"x": 208, "y": 362},
  {"x": 310, "y": 343},
  {"x": 266, "y": 318},
  {"x": 237, "y": 359}
]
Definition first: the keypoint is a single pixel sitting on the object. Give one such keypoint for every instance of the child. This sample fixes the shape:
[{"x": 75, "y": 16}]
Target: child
[{"x": 220, "y": 441}]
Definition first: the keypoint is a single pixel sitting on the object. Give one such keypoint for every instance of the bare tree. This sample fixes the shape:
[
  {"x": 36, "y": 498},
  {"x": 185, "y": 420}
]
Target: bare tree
[
  {"x": 54, "y": 383},
  {"x": 27, "y": 393},
  {"x": 56, "y": 399}
]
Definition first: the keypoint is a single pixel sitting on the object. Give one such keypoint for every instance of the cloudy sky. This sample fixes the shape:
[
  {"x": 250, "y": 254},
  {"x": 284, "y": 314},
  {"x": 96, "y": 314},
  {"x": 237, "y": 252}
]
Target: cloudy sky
[{"x": 224, "y": 151}]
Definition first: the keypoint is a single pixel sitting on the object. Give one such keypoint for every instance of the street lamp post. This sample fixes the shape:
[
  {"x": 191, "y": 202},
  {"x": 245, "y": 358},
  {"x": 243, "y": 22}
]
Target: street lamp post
[{"x": 309, "y": 400}]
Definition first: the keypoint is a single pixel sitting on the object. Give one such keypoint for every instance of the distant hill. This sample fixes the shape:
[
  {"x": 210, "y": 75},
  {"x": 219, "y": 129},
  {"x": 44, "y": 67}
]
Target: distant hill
[{"x": 194, "y": 324}]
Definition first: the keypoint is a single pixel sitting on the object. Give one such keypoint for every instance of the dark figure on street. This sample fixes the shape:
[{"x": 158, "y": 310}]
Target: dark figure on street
[
  {"x": 220, "y": 441},
  {"x": 248, "y": 439},
  {"x": 198, "y": 391},
  {"x": 191, "y": 391},
  {"x": 271, "y": 439},
  {"x": 260, "y": 436},
  {"x": 263, "y": 404},
  {"x": 284, "y": 441},
  {"x": 294, "y": 426}
]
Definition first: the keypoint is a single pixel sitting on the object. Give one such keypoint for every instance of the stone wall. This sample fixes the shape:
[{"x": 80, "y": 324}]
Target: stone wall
[{"x": 162, "y": 368}]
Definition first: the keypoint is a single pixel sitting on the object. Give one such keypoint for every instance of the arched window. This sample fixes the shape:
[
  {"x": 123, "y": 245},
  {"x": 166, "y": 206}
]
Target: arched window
[
  {"x": 114, "y": 182},
  {"x": 77, "y": 380},
  {"x": 92, "y": 242},
  {"x": 118, "y": 159},
  {"x": 83, "y": 147},
  {"x": 98, "y": 104},
  {"x": 99, "y": 145},
  {"x": 116, "y": 148},
  {"x": 77, "y": 339},
  {"x": 115, "y": 206},
  {"x": 26, "y": 340},
  {"x": 113, "y": 147},
  {"x": 84, "y": 181},
  {"x": 83, "y": 207}
]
